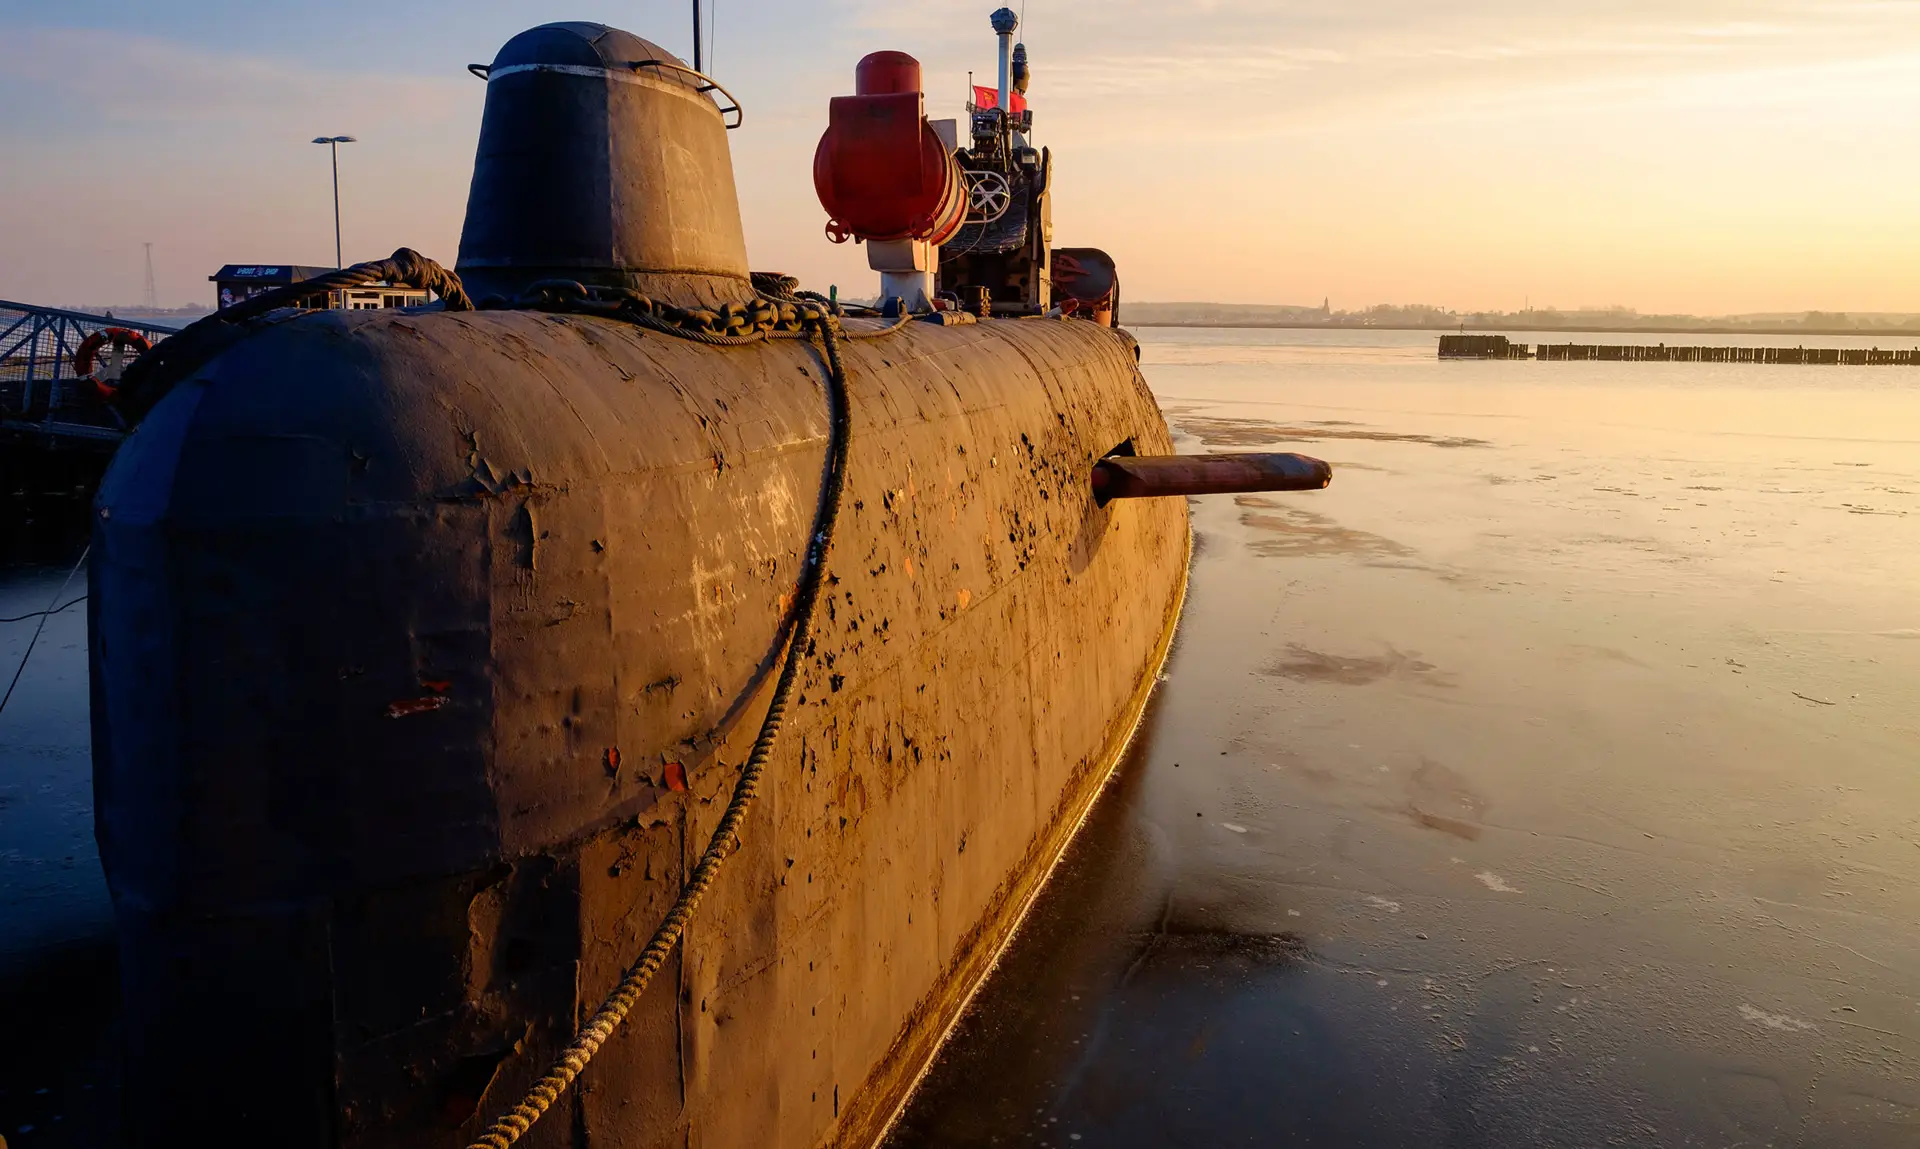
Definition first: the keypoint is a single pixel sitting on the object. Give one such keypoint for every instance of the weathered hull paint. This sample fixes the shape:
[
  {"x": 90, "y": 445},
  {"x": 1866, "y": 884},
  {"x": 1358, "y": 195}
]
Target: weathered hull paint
[
  {"x": 922, "y": 1044},
  {"x": 408, "y": 628}
]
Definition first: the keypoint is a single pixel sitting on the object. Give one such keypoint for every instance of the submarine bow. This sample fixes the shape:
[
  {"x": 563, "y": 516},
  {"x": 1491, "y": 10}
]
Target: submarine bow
[{"x": 428, "y": 644}]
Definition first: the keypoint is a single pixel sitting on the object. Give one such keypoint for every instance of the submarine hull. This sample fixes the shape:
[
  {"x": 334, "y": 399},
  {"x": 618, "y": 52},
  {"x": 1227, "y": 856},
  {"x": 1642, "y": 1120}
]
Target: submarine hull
[{"x": 427, "y": 646}]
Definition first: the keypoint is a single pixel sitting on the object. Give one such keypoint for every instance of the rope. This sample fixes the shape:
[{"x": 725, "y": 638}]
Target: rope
[
  {"x": 726, "y": 836},
  {"x": 404, "y": 266},
  {"x": 786, "y": 289},
  {"x": 778, "y": 311},
  {"x": 148, "y": 378},
  {"x": 900, "y": 322},
  {"x": 44, "y": 615},
  {"x": 771, "y": 314}
]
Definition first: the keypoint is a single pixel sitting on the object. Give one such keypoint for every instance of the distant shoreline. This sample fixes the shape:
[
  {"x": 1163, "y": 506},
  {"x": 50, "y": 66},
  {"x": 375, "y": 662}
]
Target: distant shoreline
[{"x": 1518, "y": 333}]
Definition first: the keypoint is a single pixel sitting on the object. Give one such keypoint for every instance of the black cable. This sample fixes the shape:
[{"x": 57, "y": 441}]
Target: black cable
[
  {"x": 18, "y": 670},
  {"x": 44, "y": 613}
]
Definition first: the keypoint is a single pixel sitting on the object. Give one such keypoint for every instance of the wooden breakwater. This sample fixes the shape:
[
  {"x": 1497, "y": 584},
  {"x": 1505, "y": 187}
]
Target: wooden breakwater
[
  {"x": 1661, "y": 353},
  {"x": 1500, "y": 347},
  {"x": 1481, "y": 347}
]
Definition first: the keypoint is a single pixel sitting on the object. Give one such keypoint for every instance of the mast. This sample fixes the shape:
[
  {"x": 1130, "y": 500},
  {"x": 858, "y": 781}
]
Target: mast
[{"x": 1004, "y": 22}]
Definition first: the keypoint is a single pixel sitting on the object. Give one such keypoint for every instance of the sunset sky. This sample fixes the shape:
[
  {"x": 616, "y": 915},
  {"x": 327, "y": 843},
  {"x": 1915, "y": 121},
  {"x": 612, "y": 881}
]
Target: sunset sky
[{"x": 1708, "y": 156}]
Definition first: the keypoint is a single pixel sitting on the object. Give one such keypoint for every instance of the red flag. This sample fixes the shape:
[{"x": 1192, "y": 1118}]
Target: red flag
[{"x": 984, "y": 98}]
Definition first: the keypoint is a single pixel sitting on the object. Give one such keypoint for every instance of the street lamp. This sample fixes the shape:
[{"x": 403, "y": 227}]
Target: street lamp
[{"x": 333, "y": 143}]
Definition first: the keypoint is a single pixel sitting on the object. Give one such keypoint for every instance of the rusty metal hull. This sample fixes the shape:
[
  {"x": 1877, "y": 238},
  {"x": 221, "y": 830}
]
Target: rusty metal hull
[{"x": 407, "y": 628}]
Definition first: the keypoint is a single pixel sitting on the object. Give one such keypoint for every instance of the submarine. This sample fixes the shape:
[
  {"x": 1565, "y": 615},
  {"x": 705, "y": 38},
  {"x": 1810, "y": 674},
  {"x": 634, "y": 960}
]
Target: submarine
[{"x": 630, "y": 701}]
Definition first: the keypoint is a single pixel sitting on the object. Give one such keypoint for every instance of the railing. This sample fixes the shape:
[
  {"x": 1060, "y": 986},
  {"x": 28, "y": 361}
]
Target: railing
[{"x": 42, "y": 398}]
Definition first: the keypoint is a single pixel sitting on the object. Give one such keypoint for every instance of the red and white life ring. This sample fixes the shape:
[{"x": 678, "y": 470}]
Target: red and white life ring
[{"x": 105, "y": 375}]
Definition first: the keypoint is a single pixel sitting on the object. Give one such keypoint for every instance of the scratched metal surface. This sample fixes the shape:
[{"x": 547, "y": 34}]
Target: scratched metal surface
[{"x": 404, "y": 622}]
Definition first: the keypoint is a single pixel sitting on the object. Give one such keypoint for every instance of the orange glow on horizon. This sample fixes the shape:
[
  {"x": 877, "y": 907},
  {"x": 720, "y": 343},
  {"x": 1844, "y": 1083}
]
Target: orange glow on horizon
[{"x": 1701, "y": 156}]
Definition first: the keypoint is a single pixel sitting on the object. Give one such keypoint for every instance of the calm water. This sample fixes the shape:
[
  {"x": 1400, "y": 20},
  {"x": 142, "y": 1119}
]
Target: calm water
[
  {"x": 1552, "y": 779},
  {"x": 56, "y": 925},
  {"x": 1549, "y": 780}
]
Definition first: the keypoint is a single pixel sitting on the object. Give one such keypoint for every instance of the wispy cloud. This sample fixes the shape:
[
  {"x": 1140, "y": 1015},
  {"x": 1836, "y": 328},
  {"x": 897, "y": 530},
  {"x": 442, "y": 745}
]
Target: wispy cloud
[
  {"x": 1253, "y": 149},
  {"x": 131, "y": 139},
  {"x": 87, "y": 74}
]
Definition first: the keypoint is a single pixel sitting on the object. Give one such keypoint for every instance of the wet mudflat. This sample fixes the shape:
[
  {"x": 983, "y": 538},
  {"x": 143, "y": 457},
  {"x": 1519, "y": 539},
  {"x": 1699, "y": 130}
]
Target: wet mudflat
[{"x": 1552, "y": 779}]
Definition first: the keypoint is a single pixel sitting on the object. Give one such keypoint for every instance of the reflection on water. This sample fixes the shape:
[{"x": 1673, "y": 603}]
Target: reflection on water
[
  {"x": 1219, "y": 432},
  {"x": 1293, "y": 530},
  {"x": 1569, "y": 777},
  {"x": 1304, "y": 665}
]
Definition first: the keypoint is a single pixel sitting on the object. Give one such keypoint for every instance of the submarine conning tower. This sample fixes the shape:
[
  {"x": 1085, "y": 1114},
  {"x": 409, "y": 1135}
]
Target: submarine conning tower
[{"x": 603, "y": 160}]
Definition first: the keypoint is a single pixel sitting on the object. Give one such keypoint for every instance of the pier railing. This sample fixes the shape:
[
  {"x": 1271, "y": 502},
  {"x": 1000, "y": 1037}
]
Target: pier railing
[{"x": 43, "y": 399}]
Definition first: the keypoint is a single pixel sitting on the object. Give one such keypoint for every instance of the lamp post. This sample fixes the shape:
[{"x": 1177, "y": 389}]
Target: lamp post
[{"x": 333, "y": 144}]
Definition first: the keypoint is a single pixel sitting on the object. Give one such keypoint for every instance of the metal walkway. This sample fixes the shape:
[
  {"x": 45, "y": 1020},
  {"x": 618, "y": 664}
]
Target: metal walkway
[{"x": 42, "y": 401}]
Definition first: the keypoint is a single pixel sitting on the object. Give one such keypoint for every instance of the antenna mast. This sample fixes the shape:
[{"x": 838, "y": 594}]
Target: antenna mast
[
  {"x": 696, "y": 37},
  {"x": 150, "y": 298}
]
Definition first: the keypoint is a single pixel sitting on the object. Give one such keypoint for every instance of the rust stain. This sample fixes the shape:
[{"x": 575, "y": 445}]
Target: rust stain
[
  {"x": 406, "y": 707},
  {"x": 854, "y": 763}
]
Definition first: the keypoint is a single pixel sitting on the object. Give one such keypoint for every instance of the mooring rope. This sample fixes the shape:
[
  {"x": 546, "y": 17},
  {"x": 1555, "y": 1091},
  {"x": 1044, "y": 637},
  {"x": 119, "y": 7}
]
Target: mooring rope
[
  {"x": 726, "y": 836},
  {"x": 148, "y": 378},
  {"x": 778, "y": 311}
]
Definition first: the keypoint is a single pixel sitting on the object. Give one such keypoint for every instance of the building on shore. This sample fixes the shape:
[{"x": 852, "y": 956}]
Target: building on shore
[{"x": 237, "y": 282}]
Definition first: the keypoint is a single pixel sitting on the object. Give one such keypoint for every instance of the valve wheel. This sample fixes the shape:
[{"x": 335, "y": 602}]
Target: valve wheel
[{"x": 988, "y": 196}]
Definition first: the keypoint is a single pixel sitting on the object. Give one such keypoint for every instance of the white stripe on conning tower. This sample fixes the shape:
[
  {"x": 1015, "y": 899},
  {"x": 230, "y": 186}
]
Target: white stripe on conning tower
[{"x": 566, "y": 70}]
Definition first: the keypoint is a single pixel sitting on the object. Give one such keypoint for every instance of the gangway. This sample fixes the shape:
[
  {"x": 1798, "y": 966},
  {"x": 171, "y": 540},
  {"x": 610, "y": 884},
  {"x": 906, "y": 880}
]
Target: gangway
[{"x": 49, "y": 398}]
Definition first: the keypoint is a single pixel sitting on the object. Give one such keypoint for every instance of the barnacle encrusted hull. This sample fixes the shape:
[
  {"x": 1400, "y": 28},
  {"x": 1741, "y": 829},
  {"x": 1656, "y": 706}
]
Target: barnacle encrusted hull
[{"x": 427, "y": 646}]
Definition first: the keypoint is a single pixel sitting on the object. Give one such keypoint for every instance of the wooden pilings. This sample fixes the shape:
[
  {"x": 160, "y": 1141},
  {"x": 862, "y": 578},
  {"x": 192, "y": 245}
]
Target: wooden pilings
[
  {"x": 1499, "y": 347},
  {"x": 1481, "y": 347}
]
